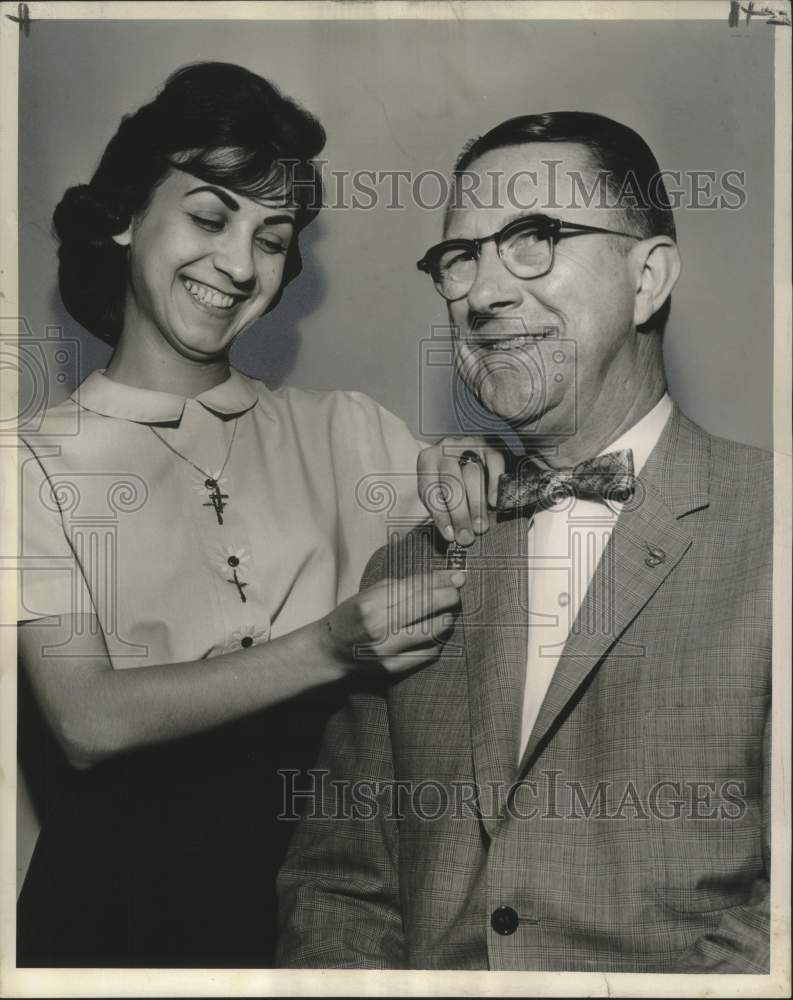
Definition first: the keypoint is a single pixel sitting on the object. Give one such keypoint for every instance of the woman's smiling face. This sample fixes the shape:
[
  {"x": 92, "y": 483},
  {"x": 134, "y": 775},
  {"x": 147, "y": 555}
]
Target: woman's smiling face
[{"x": 204, "y": 264}]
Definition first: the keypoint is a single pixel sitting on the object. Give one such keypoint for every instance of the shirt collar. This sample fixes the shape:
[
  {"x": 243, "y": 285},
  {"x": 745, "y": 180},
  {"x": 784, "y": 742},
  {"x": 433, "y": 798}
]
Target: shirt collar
[
  {"x": 644, "y": 435},
  {"x": 102, "y": 395}
]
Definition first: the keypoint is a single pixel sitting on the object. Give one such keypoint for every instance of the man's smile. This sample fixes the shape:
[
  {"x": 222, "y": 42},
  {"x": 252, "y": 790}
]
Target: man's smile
[{"x": 487, "y": 338}]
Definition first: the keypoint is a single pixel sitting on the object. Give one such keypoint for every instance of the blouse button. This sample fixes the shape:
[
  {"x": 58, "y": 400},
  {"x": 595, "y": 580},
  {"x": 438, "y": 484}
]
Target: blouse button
[
  {"x": 246, "y": 642},
  {"x": 233, "y": 561}
]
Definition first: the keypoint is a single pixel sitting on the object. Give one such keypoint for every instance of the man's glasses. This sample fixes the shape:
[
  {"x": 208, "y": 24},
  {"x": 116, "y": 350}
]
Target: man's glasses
[{"x": 525, "y": 246}]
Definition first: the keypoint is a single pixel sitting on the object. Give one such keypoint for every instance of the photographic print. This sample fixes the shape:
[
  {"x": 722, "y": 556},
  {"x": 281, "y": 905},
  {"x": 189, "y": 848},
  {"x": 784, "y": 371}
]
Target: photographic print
[{"x": 396, "y": 498}]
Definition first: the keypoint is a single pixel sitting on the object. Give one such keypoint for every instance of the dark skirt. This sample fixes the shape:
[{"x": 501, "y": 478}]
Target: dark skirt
[{"x": 168, "y": 857}]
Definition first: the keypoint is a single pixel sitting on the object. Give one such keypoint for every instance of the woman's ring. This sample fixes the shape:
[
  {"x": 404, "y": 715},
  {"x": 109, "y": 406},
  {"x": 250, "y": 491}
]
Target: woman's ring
[{"x": 467, "y": 457}]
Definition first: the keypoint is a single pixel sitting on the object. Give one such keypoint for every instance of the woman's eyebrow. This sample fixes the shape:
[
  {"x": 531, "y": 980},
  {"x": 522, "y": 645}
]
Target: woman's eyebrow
[
  {"x": 226, "y": 198},
  {"x": 277, "y": 220},
  {"x": 232, "y": 205}
]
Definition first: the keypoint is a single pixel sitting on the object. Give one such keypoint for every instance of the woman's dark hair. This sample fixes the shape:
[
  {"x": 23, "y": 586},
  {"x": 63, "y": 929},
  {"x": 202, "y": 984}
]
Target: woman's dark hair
[
  {"x": 633, "y": 176},
  {"x": 217, "y": 121}
]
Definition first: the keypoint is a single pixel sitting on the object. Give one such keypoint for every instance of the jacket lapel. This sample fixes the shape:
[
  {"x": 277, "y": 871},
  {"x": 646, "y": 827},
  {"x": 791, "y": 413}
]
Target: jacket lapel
[
  {"x": 494, "y": 616},
  {"x": 647, "y": 542}
]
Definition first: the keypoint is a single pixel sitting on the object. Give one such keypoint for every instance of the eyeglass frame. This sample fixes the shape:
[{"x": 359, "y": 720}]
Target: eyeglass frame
[{"x": 546, "y": 224}]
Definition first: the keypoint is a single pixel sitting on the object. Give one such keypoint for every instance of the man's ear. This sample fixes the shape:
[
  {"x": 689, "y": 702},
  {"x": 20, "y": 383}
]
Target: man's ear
[
  {"x": 124, "y": 239},
  {"x": 658, "y": 268}
]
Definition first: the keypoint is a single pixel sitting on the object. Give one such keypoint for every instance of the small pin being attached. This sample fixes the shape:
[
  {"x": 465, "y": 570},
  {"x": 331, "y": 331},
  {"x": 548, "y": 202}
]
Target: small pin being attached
[{"x": 456, "y": 556}]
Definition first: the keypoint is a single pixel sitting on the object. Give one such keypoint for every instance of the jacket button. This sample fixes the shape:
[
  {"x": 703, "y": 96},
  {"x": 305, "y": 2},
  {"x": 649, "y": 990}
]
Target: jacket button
[{"x": 504, "y": 920}]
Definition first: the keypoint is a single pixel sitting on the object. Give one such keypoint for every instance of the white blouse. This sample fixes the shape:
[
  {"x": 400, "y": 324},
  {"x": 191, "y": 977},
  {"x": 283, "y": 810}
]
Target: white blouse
[{"x": 117, "y": 515}]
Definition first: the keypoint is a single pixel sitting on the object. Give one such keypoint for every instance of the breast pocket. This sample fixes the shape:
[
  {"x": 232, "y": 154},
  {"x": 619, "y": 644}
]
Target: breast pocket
[{"x": 704, "y": 768}]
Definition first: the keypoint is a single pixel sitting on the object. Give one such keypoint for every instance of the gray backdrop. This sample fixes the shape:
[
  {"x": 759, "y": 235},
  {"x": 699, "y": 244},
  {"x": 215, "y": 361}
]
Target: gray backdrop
[{"x": 405, "y": 96}]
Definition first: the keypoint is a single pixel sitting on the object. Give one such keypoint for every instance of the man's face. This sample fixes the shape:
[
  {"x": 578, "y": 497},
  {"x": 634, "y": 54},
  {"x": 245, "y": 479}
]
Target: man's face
[{"x": 538, "y": 382}]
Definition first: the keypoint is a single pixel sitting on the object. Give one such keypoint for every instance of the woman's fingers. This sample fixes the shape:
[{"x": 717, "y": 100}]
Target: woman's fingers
[
  {"x": 455, "y": 498},
  {"x": 474, "y": 481},
  {"x": 457, "y": 479},
  {"x": 404, "y": 608},
  {"x": 482, "y": 466},
  {"x": 419, "y": 607},
  {"x": 440, "y": 487},
  {"x": 408, "y": 618},
  {"x": 444, "y": 488},
  {"x": 415, "y": 645},
  {"x": 416, "y": 597},
  {"x": 410, "y": 659}
]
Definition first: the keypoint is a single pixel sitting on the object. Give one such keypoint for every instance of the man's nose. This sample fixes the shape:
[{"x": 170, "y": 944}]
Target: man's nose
[
  {"x": 234, "y": 257},
  {"x": 494, "y": 288}
]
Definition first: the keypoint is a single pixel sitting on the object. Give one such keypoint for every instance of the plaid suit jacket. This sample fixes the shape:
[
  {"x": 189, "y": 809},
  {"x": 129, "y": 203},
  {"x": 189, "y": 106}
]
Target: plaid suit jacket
[{"x": 633, "y": 834}]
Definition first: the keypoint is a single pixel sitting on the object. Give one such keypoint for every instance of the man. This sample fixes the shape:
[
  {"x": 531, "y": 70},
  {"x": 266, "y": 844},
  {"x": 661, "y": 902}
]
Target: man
[{"x": 581, "y": 781}]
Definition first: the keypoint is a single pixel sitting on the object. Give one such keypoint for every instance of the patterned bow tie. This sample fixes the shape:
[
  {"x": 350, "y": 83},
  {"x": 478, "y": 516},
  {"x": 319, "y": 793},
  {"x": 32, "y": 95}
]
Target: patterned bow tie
[{"x": 607, "y": 478}]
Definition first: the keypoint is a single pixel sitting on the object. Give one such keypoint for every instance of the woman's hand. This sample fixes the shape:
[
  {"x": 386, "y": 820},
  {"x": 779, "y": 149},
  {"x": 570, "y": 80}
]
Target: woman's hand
[
  {"x": 97, "y": 712},
  {"x": 397, "y": 624},
  {"x": 457, "y": 495}
]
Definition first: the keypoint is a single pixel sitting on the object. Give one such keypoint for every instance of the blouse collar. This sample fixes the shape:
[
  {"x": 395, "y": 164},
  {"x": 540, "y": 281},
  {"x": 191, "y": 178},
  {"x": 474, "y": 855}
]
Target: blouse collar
[{"x": 101, "y": 394}]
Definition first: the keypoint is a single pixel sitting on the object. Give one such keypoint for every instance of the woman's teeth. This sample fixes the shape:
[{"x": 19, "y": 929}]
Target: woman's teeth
[{"x": 208, "y": 296}]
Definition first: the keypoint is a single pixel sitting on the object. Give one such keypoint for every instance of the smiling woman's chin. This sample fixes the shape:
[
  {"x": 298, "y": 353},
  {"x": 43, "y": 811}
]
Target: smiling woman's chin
[
  {"x": 200, "y": 333},
  {"x": 200, "y": 345}
]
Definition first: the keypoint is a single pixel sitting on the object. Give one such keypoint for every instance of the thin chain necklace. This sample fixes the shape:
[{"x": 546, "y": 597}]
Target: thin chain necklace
[{"x": 212, "y": 483}]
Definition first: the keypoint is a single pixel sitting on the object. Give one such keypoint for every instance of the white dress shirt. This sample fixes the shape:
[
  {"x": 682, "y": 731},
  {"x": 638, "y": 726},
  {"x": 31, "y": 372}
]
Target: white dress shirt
[{"x": 565, "y": 544}]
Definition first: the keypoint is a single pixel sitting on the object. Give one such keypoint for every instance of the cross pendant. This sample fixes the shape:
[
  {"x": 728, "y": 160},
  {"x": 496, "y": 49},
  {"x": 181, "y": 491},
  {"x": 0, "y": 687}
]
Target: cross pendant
[
  {"x": 216, "y": 498},
  {"x": 240, "y": 587}
]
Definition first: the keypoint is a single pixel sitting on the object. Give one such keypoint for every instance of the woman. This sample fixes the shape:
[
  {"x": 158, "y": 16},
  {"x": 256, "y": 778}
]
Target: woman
[{"x": 201, "y": 540}]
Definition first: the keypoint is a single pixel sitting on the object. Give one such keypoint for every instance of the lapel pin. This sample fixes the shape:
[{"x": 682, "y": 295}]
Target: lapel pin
[{"x": 655, "y": 556}]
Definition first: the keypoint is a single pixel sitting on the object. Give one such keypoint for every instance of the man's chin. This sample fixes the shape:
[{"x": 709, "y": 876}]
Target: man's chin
[
  {"x": 535, "y": 427},
  {"x": 521, "y": 415}
]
